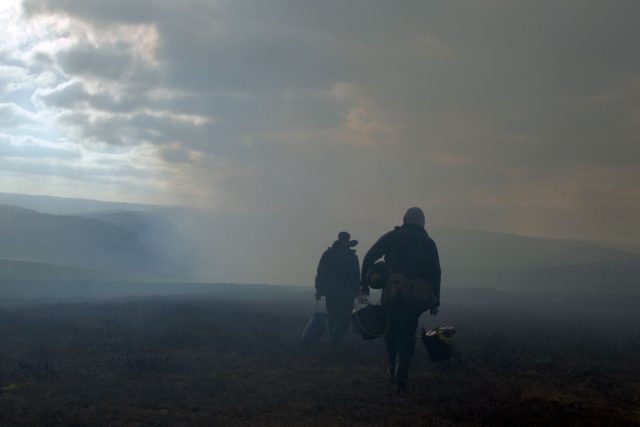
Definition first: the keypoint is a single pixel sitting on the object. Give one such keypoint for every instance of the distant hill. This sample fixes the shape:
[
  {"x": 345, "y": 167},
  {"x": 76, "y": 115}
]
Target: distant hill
[
  {"x": 70, "y": 206},
  {"x": 592, "y": 278},
  {"x": 250, "y": 248},
  {"x": 481, "y": 259},
  {"x": 141, "y": 246},
  {"x": 491, "y": 251},
  {"x": 172, "y": 242},
  {"x": 12, "y": 270}
]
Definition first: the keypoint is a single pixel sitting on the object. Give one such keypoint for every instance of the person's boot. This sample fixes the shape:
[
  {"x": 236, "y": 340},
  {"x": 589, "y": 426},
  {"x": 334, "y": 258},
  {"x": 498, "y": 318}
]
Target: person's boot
[{"x": 402, "y": 373}]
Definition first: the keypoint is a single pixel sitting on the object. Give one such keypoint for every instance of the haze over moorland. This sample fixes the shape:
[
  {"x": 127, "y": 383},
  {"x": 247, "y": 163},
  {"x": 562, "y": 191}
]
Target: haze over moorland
[
  {"x": 270, "y": 126},
  {"x": 149, "y": 243}
]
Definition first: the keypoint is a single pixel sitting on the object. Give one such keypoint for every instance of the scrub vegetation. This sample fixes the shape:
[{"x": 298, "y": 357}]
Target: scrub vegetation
[{"x": 232, "y": 356}]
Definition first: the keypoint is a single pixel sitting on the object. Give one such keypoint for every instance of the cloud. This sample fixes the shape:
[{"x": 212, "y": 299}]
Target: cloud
[
  {"x": 30, "y": 156},
  {"x": 481, "y": 111},
  {"x": 27, "y": 147},
  {"x": 12, "y": 78},
  {"x": 106, "y": 62},
  {"x": 67, "y": 94},
  {"x": 12, "y": 115}
]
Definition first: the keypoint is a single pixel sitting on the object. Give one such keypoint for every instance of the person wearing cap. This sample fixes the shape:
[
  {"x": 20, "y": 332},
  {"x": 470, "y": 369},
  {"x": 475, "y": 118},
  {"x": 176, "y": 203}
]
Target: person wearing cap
[
  {"x": 411, "y": 255},
  {"x": 338, "y": 280}
]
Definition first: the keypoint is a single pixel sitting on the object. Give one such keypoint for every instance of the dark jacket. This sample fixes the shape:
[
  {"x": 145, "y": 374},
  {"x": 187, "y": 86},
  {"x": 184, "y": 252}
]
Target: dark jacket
[
  {"x": 408, "y": 250},
  {"x": 338, "y": 272}
]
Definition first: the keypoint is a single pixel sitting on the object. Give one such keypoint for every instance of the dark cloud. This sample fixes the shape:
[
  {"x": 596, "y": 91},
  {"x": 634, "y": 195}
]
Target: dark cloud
[
  {"x": 66, "y": 95},
  {"x": 175, "y": 154},
  {"x": 106, "y": 62},
  {"x": 132, "y": 129}
]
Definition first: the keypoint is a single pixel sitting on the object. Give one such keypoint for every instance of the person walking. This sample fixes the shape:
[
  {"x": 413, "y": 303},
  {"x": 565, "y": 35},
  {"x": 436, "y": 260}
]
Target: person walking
[
  {"x": 338, "y": 280},
  {"x": 413, "y": 287}
]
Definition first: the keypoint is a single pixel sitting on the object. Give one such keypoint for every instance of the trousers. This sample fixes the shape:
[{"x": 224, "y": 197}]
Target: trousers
[
  {"x": 338, "y": 317},
  {"x": 400, "y": 339}
]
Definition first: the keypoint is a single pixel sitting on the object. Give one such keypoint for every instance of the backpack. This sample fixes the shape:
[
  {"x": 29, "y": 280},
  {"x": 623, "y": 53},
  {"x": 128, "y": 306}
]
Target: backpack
[{"x": 413, "y": 294}]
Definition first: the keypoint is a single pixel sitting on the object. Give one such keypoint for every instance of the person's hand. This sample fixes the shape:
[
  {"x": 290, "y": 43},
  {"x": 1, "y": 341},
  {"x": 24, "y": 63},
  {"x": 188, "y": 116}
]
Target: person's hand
[
  {"x": 318, "y": 296},
  {"x": 434, "y": 311}
]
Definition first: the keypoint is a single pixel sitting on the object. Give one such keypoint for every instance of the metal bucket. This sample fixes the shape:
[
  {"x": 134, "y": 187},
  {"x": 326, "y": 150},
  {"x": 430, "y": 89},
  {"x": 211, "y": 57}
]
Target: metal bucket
[
  {"x": 439, "y": 342},
  {"x": 369, "y": 320}
]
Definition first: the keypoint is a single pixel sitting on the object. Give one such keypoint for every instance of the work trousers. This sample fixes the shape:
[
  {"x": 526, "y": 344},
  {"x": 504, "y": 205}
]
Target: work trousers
[
  {"x": 400, "y": 338},
  {"x": 338, "y": 317}
]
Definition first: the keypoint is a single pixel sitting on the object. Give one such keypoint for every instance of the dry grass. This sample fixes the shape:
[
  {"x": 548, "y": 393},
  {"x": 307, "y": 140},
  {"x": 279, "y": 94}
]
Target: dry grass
[{"x": 211, "y": 362}]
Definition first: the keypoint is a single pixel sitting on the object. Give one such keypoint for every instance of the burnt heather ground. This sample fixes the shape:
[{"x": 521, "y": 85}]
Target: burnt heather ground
[{"x": 220, "y": 359}]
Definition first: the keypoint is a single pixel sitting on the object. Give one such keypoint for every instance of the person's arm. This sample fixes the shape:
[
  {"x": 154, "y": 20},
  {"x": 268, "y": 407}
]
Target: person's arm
[
  {"x": 321, "y": 275},
  {"x": 377, "y": 251},
  {"x": 436, "y": 273},
  {"x": 354, "y": 276}
]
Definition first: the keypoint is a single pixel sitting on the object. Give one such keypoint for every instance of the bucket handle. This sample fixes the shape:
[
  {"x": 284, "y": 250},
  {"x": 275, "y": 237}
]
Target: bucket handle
[{"x": 363, "y": 300}]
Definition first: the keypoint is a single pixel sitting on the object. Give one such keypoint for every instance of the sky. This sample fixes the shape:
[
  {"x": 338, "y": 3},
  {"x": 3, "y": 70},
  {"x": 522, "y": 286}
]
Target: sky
[{"x": 515, "y": 116}]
